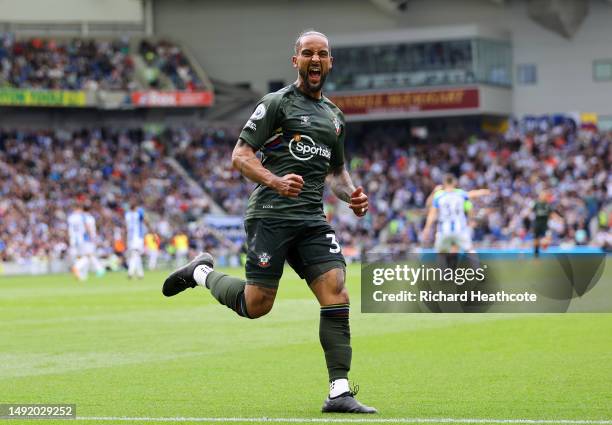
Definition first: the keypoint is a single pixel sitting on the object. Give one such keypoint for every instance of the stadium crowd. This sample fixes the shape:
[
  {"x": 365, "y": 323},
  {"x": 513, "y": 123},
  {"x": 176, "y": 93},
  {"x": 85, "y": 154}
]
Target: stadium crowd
[
  {"x": 43, "y": 174},
  {"x": 92, "y": 64},
  {"x": 167, "y": 58},
  {"x": 76, "y": 64},
  {"x": 572, "y": 166}
]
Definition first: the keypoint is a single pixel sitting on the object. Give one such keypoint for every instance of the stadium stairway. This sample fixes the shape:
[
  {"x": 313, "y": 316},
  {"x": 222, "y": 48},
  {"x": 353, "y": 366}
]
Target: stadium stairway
[{"x": 178, "y": 168}]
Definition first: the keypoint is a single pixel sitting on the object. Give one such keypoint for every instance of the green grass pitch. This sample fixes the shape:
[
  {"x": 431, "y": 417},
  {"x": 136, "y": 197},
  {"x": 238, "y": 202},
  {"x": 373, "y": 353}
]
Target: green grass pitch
[{"x": 118, "y": 348}]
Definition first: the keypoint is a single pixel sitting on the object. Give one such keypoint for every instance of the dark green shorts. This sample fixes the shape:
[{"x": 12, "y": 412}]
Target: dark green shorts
[
  {"x": 310, "y": 248},
  {"x": 540, "y": 229}
]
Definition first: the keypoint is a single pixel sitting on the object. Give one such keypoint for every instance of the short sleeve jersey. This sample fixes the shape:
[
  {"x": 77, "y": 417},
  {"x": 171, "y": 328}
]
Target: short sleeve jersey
[
  {"x": 77, "y": 229},
  {"x": 542, "y": 211},
  {"x": 295, "y": 134},
  {"x": 134, "y": 220},
  {"x": 451, "y": 210}
]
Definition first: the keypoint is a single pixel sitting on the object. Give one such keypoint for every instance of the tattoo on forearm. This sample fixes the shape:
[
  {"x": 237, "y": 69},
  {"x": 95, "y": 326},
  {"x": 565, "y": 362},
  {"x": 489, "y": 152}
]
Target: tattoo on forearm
[{"x": 343, "y": 194}]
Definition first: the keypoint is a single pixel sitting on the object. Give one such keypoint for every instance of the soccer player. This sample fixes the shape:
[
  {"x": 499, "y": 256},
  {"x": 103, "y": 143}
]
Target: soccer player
[
  {"x": 449, "y": 206},
  {"x": 300, "y": 134},
  {"x": 181, "y": 245},
  {"x": 152, "y": 243},
  {"x": 542, "y": 211},
  {"x": 135, "y": 226},
  {"x": 77, "y": 237},
  {"x": 91, "y": 241}
]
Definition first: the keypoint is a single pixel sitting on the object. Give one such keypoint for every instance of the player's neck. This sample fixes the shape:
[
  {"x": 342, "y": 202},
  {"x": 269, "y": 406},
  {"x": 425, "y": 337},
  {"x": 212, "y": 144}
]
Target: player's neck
[{"x": 299, "y": 84}]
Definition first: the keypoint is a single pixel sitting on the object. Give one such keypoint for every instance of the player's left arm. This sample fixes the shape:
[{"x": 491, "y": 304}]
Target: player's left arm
[
  {"x": 477, "y": 193},
  {"x": 341, "y": 184},
  {"x": 340, "y": 180}
]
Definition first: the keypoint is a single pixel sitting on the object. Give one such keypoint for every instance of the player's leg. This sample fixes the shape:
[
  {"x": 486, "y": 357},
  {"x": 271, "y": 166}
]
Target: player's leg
[
  {"x": 253, "y": 297},
  {"x": 80, "y": 267},
  {"x": 318, "y": 259},
  {"x": 538, "y": 233},
  {"x": 153, "y": 259},
  {"x": 335, "y": 337},
  {"x": 132, "y": 262},
  {"x": 97, "y": 264},
  {"x": 139, "y": 269},
  {"x": 251, "y": 300}
]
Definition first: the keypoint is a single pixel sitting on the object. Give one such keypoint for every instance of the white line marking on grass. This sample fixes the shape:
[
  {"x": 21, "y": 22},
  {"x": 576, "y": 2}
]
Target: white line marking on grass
[{"x": 360, "y": 420}]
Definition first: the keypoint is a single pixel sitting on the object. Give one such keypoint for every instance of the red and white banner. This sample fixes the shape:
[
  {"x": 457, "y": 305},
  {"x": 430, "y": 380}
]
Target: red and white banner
[
  {"x": 407, "y": 101},
  {"x": 172, "y": 98}
]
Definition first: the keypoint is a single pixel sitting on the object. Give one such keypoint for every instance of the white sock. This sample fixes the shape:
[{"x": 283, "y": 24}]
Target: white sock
[
  {"x": 82, "y": 266},
  {"x": 201, "y": 273},
  {"x": 139, "y": 270},
  {"x": 337, "y": 387}
]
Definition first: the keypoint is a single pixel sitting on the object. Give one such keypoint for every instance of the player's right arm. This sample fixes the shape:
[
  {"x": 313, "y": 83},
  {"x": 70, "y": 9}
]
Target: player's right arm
[
  {"x": 432, "y": 216},
  {"x": 264, "y": 124},
  {"x": 246, "y": 162}
]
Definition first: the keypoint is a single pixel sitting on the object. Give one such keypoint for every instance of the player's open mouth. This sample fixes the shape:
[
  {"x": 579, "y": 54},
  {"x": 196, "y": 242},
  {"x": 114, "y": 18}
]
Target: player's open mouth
[{"x": 314, "y": 74}]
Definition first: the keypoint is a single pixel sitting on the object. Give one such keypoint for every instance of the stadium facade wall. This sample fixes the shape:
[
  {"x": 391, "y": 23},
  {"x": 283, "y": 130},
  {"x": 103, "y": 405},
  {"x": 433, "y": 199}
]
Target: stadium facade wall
[
  {"x": 72, "y": 11},
  {"x": 244, "y": 41}
]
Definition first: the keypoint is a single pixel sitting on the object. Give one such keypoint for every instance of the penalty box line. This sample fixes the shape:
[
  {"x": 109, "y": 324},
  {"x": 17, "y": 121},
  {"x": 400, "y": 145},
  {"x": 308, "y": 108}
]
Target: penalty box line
[{"x": 357, "y": 420}]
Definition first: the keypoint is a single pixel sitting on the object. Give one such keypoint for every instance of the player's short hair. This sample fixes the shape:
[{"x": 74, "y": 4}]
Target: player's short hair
[
  {"x": 309, "y": 31},
  {"x": 450, "y": 179}
]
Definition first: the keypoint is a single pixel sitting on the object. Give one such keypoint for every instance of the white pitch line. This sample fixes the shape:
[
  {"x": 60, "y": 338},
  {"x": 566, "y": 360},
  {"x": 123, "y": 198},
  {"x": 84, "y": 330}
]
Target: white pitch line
[{"x": 359, "y": 420}]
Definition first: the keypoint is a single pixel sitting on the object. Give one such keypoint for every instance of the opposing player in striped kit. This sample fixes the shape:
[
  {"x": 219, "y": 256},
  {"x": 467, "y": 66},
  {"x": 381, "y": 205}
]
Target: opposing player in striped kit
[
  {"x": 449, "y": 208},
  {"x": 135, "y": 226}
]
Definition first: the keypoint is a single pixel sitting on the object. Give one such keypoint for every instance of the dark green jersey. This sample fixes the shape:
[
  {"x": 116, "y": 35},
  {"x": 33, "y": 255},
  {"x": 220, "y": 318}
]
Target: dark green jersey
[
  {"x": 300, "y": 135},
  {"x": 542, "y": 211}
]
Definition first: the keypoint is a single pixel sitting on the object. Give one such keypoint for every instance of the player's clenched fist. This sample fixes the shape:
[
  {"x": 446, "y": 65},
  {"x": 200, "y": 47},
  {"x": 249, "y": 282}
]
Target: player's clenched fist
[
  {"x": 359, "y": 202},
  {"x": 289, "y": 185}
]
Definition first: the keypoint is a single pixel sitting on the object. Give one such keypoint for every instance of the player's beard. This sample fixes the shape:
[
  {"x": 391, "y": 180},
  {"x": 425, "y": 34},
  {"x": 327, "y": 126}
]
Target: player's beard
[{"x": 310, "y": 88}]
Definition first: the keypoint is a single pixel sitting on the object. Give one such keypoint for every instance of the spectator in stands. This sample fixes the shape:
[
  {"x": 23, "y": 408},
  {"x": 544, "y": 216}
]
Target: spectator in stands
[{"x": 77, "y": 64}]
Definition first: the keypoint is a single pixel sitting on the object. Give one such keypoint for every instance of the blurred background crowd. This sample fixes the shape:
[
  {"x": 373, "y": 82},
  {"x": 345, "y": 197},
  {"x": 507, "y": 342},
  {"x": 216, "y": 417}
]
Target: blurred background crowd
[{"x": 44, "y": 174}]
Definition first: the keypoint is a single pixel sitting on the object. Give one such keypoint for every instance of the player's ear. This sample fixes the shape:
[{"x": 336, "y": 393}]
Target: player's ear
[
  {"x": 331, "y": 62},
  {"x": 294, "y": 61}
]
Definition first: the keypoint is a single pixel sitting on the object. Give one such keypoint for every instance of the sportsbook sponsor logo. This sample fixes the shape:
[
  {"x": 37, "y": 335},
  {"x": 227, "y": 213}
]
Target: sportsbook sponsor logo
[
  {"x": 304, "y": 148},
  {"x": 259, "y": 112}
]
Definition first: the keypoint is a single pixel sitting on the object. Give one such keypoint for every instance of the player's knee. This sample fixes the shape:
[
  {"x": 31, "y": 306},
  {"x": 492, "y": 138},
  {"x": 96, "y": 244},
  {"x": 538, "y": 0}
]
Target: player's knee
[
  {"x": 261, "y": 309},
  {"x": 343, "y": 296},
  {"x": 259, "y": 300},
  {"x": 331, "y": 289}
]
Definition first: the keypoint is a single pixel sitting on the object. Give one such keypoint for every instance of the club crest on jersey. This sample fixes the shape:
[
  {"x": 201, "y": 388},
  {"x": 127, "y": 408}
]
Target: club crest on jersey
[
  {"x": 336, "y": 122},
  {"x": 305, "y": 120},
  {"x": 264, "y": 260}
]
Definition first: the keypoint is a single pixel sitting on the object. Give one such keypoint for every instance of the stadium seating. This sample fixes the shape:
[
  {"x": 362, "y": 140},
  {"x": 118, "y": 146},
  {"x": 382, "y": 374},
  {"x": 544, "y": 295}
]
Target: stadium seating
[
  {"x": 168, "y": 58},
  {"x": 94, "y": 64},
  {"x": 398, "y": 176},
  {"x": 75, "y": 64},
  {"x": 42, "y": 173}
]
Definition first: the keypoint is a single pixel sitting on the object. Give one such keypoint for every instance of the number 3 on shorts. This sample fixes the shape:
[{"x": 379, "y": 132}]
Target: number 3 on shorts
[{"x": 335, "y": 245}]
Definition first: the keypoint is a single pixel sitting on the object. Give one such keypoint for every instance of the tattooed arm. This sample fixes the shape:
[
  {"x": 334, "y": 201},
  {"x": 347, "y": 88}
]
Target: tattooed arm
[{"x": 342, "y": 185}]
